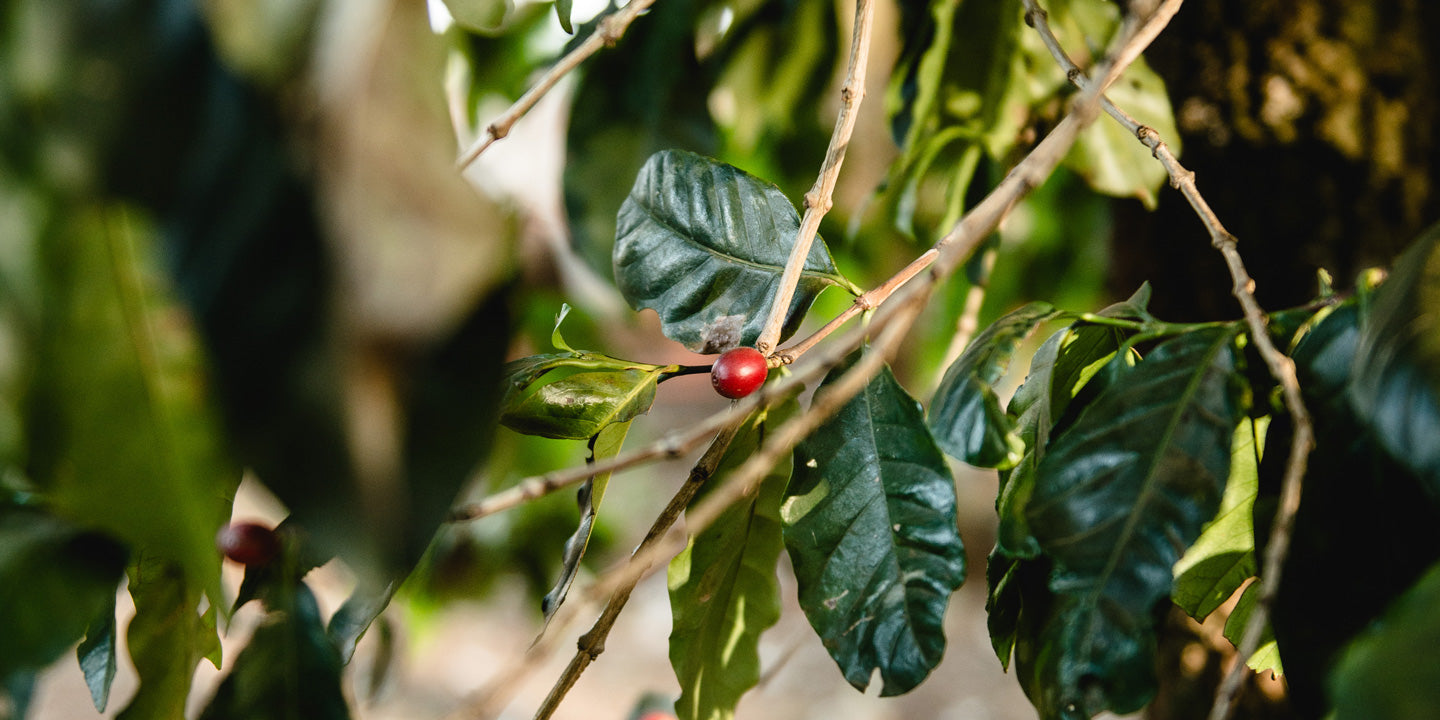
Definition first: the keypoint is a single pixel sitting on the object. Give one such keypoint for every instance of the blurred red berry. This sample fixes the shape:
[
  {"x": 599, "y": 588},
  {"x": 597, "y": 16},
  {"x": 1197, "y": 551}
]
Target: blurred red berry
[{"x": 248, "y": 543}]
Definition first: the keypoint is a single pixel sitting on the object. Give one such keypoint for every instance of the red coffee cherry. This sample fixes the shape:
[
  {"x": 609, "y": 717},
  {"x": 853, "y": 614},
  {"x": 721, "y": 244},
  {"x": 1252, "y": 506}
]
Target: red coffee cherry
[
  {"x": 248, "y": 543},
  {"x": 738, "y": 372}
]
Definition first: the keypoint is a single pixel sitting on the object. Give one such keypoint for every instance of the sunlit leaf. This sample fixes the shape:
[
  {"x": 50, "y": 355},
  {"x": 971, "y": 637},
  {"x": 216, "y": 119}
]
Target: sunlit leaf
[
  {"x": 1223, "y": 557},
  {"x": 1266, "y": 657},
  {"x": 575, "y": 395},
  {"x": 723, "y": 588},
  {"x": 1118, "y": 498},
  {"x": 1109, "y": 157},
  {"x": 870, "y": 528},
  {"x": 704, "y": 244}
]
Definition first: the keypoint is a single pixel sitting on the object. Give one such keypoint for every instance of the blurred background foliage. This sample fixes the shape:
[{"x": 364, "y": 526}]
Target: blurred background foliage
[{"x": 234, "y": 249}]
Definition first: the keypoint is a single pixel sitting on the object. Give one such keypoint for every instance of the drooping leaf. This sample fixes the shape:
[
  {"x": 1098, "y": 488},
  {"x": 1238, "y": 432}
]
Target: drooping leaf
[
  {"x": 704, "y": 244},
  {"x": 1223, "y": 557},
  {"x": 965, "y": 414},
  {"x": 1118, "y": 498},
  {"x": 1396, "y": 379},
  {"x": 1389, "y": 672},
  {"x": 870, "y": 527},
  {"x": 562, "y": 10},
  {"x": 97, "y": 656},
  {"x": 288, "y": 671},
  {"x": 723, "y": 588},
  {"x": 605, "y": 445},
  {"x": 1266, "y": 657},
  {"x": 486, "y": 16},
  {"x": 1018, "y": 599},
  {"x": 575, "y": 395},
  {"x": 167, "y": 639},
  {"x": 54, "y": 581}
]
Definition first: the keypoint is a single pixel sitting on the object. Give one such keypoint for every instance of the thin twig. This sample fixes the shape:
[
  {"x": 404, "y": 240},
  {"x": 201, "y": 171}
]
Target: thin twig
[
  {"x": 969, "y": 321},
  {"x": 607, "y": 32},
  {"x": 592, "y": 643},
  {"x": 1281, "y": 367},
  {"x": 818, "y": 200}
]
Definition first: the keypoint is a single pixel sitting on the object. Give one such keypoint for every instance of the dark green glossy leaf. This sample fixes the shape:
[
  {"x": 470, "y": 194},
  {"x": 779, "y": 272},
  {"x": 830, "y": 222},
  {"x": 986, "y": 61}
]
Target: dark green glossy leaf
[
  {"x": 1396, "y": 379},
  {"x": 353, "y": 619},
  {"x": 288, "y": 671},
  {"x": 97, "y": 656},
  {"x": 575, "y": 395},
  {"x": 167, "y": 639},
  {"x": 1389, "y": 672},
  {"x": 1117, "y": 499},
  {"x": 605, "y": 445},
  {"x": 54, "y": 581},
  {"x": 965, "y": 414},
  {"x": 870, "y": 528},
  {"x": 723, "y": 588},
  {"x": 1223, "y": 557},
  {"x": 704, "y": 244}
]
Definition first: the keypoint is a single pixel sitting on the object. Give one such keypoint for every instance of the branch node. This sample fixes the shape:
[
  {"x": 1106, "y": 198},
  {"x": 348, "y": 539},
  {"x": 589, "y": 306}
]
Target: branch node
[
  {"x": 1074, "y": 75},
  {"x": 1037, "y": 14}
]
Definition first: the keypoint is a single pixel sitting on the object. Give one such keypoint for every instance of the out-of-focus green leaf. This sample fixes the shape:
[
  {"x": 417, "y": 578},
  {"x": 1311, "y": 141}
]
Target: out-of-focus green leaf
[
  {"x": 965, "y": 416},
  {"x": 353, "y": 618},
  {"x": 123, "y": 436},
  {"x": 704, "y": 244},
  {"x": 1110, "y": 158},
  {"x": 649, "y": 93},
  {"x": 54, "y": 581},
  {"x": 1118, "y": 497},
  {"x": 604, "y": 445},
  {"x": 575, "y": 395},
  {"x": 1223, "y": 557},
  {"x": 97, "y": 656},
  {"x": 870, "y": 527},
  {"x": 723, "y": 589},
  {"x": 289, "y": 671},
  {"x": 167, "y": 638},
  {"x": 1396, "y": 378},
  {"x": 562, "y": 10},
  {"x": 1267, "y": 656},
  {"x": 1389, "y": 672},
  {"x": 487, "y": 16}
]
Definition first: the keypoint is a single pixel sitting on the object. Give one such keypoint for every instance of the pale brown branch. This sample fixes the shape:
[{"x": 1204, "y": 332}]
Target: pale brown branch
[
  {"x": 607, "y": 32},
  {"x": 1281, "y": 367},
  {"x": 819, "y": 199}
]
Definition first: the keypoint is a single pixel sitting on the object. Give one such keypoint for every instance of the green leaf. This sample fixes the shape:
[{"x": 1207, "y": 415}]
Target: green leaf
[
  {"x": 723, "y": 588},
  {"x": 563, "y": 9},
  {"x": 351, "y": 621},
  {"x": 1117, "y": 499},
  {"x": 605, "y": 445},
  {"x": 97, "y": 655},
  {"x": 122, "y": 433},
  {"x": 965, "y": 414},
  {"x": 1059, "y": 370},
  {"x": 54, "y": 581},
  {"x": 704, "y": 244},
  {"x": 167, "y": 639},
  {"x": 1266, "y": 657},
  {"x": 1396, "y": 378},
  {"x": 289, "y": 671},
  {"x": 483, "y": 16},
  {"x": 1390, "y": 673},
  {"x": 1223, "y": 557},
  {"x": 1110, "y": 158},
  {"x": 870, "y": 528},
  {"x": 575, "y": 395}
]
